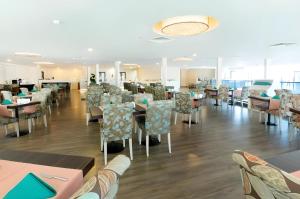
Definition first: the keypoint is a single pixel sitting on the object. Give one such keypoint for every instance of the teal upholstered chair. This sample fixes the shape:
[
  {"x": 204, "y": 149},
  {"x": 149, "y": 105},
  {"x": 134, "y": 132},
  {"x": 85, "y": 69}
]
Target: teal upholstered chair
[
  {"x": 114, "y": 90},
  {"x": 110, "y": 99},
  {"x": 157, "y": 122},
  {"x": 93, "y": 99},
  {"x": 116, "y": 125},
  {"x": 134, "y": 88},
  {"x": 159, "y": 93},
  {"x": 184, "y": 105},
  {"x": 6, "y": 118},
  {"x": 47, "y": 92}
]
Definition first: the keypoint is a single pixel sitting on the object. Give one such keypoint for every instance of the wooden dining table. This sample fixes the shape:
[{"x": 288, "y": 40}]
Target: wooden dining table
[
  {"x": 263, "y": 104},
  {"x": 16, "y": 108}
]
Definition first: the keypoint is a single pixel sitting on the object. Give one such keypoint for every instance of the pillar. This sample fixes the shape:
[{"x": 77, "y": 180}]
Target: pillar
[
  {"x": 88, "y": 75},
  {"x": 266, "y": 64},
  {"x": 97, "y": 74},
  {"x": 117, "y": 73},
  {"x": 164, "y": 70}
]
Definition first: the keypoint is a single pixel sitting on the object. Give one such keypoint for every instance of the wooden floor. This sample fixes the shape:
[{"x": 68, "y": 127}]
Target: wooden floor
[{"x": 199, "y": 167}]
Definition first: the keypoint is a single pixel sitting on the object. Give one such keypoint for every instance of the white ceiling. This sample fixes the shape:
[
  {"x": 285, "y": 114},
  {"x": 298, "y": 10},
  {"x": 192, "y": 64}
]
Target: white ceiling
[{"x": 121, "y": 30}]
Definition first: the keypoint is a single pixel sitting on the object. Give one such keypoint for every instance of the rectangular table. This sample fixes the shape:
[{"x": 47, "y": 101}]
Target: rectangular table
[
  {"x": 49, "y": 159},
  {"x": 295, "y": 110},
  {"x": 264, "y": 105},
  {"x": 289, "y": 162}
]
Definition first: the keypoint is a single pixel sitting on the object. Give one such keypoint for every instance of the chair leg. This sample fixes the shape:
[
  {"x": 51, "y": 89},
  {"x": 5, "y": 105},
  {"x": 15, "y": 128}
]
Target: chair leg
[
  {"x": 33, "y": 122},
  {"x": 140, "y": 136},
  {"x": 45, "y": 120},
  {"x": 147, "y": 145},
  {"x": 266, "y": 118},
  {"x": 130, "y": 148},
  {"x": 124, "y": 143},
  {"x": 175, "y": 118},
  {"x": 169, "y": 142},
  {"x": 17, "y": 129},
  {"x": 29, "y": 125},
  {"x": 159, "y": 138},
  {"x": 87, "y": 118},
  {"x": 190, "y": 120},
  {"x": 279, "y": 121},
  {"x": 196, "y": 117},
  {"x": 49, "y": 108},
  {"x": 105, "y": 152},
  {"x": 101, "y": 141},
  {"x": 135, "y": 127},
  {"x": 5, "y": 128},
  {"x": 57, "y": 103},
  {"x": 260, "y": 117}
]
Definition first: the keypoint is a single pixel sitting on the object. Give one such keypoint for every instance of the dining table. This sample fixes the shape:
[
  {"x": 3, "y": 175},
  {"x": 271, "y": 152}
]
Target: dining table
[
  {"x": 295, "y": 110},
  {"x": 214, "y": 93},
  {"x": 16, "y": 107},
  {"x": 265, "y": 104}
]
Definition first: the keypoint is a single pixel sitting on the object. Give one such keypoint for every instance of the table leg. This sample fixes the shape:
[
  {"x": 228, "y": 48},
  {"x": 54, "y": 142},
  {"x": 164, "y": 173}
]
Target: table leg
[
  {"x": 217, "y": 102},
  {"x": 21, "y": 132}
]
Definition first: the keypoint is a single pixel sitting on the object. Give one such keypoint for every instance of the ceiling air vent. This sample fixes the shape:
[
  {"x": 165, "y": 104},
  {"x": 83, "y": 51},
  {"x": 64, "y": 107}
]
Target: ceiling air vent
[
  {"x": 282, "y": 44},
  {"x": 160, "y": 40}
]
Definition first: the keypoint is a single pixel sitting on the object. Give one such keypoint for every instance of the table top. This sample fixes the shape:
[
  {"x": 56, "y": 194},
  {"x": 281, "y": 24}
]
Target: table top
[
  {"x": 288, "y": 162},
  {"x": 295, "y": 110},
  {"x": 265, "y": 99},
  {"x": 14, "y": 106},
  {"x": 49, "y": 159}
]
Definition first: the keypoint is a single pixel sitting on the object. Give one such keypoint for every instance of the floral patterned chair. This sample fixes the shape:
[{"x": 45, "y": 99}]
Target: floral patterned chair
[
  {"x": 295, "y": 101},
  {"x": 262, "y": 180},
  {"x": 159, "y": 93},
  {"x": 157, "y": 122},
  {"x": 93, "y": 99},
  {"x": 114, "y": 90},
  {"x": 30, "y": 113},
  {"x": 110, "y": 99},
  {"x": 105, "y": 86},
  {"x": 127, "y": 96},
  {"x": 106, "y": 183},
  {"x": 243, "y": 97},
  {"x": 116, "y": 125},
  {"x": 6, "y": 118},
  {"x": 47, "y": 92},
  {"x": 184, "y": 105},
  {"x": 133, "y": 88}
]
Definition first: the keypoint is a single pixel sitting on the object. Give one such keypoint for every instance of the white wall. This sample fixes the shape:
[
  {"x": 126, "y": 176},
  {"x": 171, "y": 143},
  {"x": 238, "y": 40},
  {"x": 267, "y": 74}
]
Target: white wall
[
  {"x": 190, "y": 76},
  {"x": 149, "y": 74},
  {"x": 29, "y": 74}
]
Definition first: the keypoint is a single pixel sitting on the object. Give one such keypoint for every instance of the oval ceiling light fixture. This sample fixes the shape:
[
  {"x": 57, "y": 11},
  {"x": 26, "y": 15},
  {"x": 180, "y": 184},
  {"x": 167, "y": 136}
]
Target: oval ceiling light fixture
[
  {"x": 27, "y": 54},
  {"x": 183, "y": 59},
  {"x": 43, "y": 63},
  {"x": 185, "y": 25}
]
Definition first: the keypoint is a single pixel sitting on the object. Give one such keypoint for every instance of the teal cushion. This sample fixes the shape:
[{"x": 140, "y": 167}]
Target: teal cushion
[
  {"x": 145, "y": 101},
  {"x": 264, "y": 95},
  {"x": 31, "y": 187},
  {"x": 263, "y": 83},
  {"x": 6, "y": 102},
  {"x": 276, "y": 97},
  {"x": 21, "y": 94}
]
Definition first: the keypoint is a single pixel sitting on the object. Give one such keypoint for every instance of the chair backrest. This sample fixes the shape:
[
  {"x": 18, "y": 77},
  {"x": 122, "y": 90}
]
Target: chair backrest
[
  {"x": 134, "y": 88},
  {"x": 117, "y": 121},
  {"x": 158, "y": 117},
  {"x": 106, "y": 182},
  {"x": 285, "y": 103},
  {"x": 114, "y": 90},
  {"x": 183, "y": 103},
  {"x": 4, "y": 112},
  {"x": 24, "y": 90},
  {"x": 223, "y": 91},
  {"x": 245, "y": 92},
  {"x": 93, "y": 98},
  {"x": 263, "y": 180},
  {"x": 7, "y": 95},
  {"x": 110, "y": 99},
  {"x": 141, "y": 97},
  {"x": 159, "y": 93},
  {"x": 280, "y": 91}
]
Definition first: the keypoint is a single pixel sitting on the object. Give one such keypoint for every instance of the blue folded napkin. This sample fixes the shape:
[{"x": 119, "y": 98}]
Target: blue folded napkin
[
  {"x": 31, "y": 187},
  {"x": 264, "y": 95},
  {"x": 193, "y": 94},
  {"x": 6, "y": 102}
]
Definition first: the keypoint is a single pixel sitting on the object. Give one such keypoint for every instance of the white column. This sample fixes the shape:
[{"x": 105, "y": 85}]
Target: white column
[
  {"x": 117, "y": 73},
  {"x": 97, "y": 74},
  {"x": 267, "y": 63},
  {"x": 219, "y": 71},
  {"x": 164, "y": 70},
  {"x": 88, "y": 75}
]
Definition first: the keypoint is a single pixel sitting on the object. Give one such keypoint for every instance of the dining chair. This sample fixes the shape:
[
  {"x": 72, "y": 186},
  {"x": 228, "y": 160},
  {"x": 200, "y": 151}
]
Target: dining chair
[
  {"x": 295, "y": 103},
  {"x": 261, "y": 180},
  {"x": 114, "y": 90},
  {"x": 7, "y": 95},
  {"x": 157, "y": 122},
  {"x": 134, "y": 88},
  {"x": 116, "y": 125},
  {"x": 30, "y": 113},
  {"x": 105, "y": 87},
  {"x": 142, "y": 98},
  {"x": 110, "y": 99},
  {"x": 159, "y": 93},
  {"x": 49, "y": 101},
  {"x": 242, "y": 98},
  {"x": 184, "y": 105},
  {"x": 24, "y": 90},
  {"x": 93, "y": 100},
  {"x": 6, "y": 118}
]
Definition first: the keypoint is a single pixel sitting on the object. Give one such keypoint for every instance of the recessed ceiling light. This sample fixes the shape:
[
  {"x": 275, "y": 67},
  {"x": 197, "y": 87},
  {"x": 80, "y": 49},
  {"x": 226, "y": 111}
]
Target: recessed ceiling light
[
  {"x": 90, "y": 49},
  {"x": 8, "y": 60},
  {"x": 183, "y": 59},
  {"x": 194, "y": 54},
  {"x": 56, "y": 21},
  {"x": 185, "y": 25},
  {"x": 43, "y": 63},
  {"x": 27, "y": 54}
]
